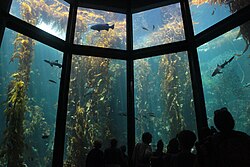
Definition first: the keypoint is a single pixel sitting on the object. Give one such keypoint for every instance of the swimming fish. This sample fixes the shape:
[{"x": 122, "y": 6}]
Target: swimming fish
[
  {"x": 53, "y": 63},
  {"x": 213, "y": 12},
  {"x": 247, "y": 84},
  {"x": 100, "y": 27},
  {"x": 144, "y": 28},
  {"x": 219, "y": 67},
  {"x": 124, "y": 114},
  {"x": 89, "y": 91},
  {"x": 45, "y": 135},
  {"x": 52, "y": 81}
]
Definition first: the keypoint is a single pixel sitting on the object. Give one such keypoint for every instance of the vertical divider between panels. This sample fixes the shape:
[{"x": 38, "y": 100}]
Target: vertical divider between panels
[
  {"x": 4, "y": 9},
  {"x": 130, "y": 85},
  {"x": 198, "y": 95},
  {"x": 61, "y": 118}
]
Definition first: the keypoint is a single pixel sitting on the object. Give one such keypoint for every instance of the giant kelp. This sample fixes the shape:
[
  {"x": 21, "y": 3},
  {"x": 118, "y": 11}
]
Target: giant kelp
[
  {"x": 174, "y": 95},
  {"x": 51, "y": 12},
  {"x": 88, "y": 106},
  {"x": 143, "y": 89},
  {"x": 234, "y": 6},
  {"x": 17, "y": 134},
  {"x": 90, "y": 99},
  {"x": 13, "y": 146}
]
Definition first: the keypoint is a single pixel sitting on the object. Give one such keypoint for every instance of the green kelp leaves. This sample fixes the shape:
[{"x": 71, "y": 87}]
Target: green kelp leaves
[{"x": 15, "y": 94}]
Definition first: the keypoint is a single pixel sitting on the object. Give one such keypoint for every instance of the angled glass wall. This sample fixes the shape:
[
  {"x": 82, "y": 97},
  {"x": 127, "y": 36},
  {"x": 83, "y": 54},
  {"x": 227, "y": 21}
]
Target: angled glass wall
[
  {"x": 206, "y": 13},
  {"x": 50, "y": 16},
  {"x": 100, "y": 28},
  {"x": 224, "y": 64},
  {"x": 158, "y": 26},
  {"x": 163, "y": 97},
  {"x": 97, "y": 106},
  {"x": 30, "y": 74}
]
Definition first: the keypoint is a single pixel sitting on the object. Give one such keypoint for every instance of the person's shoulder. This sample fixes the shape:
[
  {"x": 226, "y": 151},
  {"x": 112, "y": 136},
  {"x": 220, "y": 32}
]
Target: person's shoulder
[{"x": 240, "y": 134}]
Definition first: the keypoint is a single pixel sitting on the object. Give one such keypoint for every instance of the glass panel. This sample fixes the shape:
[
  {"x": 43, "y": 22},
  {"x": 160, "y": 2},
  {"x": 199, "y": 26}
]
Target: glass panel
[
  {"x": 100, "y": 28},
  {"x": 158, "y": 26},
  {"x": 163, "y": 97},
  {"x": 97, "y": 107},
  {"x": 224, "y": 64},
  {"x": 29, "y": 95},
  {"x": 206, "y": 13},
  {"x": 48, "y": 15}
]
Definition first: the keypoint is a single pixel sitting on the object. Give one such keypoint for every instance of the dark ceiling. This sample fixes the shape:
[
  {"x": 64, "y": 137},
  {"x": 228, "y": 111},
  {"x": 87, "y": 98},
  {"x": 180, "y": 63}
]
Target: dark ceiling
[{"x": 123, "y": 6}]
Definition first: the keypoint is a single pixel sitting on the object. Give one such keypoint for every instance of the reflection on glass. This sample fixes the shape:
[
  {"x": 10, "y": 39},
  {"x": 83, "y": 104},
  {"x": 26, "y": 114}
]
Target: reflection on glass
[
  {"x": 163, "y": 96},
  {"x": 50, "y": 16},
  {"x": 226, "y": 83},
  {"x": 96, "y": 106},
  {"x": 100, "y": 28},
  {"x": 29, "y": 95},
  {"x": 206, "y": 13},
  {"x": 158, "y": 26}
]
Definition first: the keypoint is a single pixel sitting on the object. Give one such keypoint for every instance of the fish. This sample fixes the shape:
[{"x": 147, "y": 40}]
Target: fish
[
  {"x": 53, "y": 63},
  {"x": 100, "y": 27},
  {"x": 89, "y": 91},
  {"x": 151, "y": 114},
  {"x": 45, "y": 136},
  {"x": 247, "y": 84},
  {"x": 10, "y": 105},
  {"x": 52, "y": 81},
  {"x": 124, "y": 114},
  {"x": 153, "y": 27},
  {"x": 213, "y": 12},
  {"x": 144, "y": 28},
  {"x": 219, "y": 67}
]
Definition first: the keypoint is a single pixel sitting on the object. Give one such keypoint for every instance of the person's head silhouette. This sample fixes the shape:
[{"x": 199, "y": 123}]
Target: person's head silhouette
[{"x": 223, "y": 120}]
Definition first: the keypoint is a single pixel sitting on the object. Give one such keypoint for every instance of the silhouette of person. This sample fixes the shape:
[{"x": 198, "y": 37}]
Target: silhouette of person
[
  {"x": 124, "y": 156},
  {"x": 95, "y": 157},
  {"x": 172, "y": 150},
  {"x": 229, "y": 147},
  {"x": 142, "y": 151},
  {"x": 185, "y": 158},
  {"x": 113, "y": 155},
  {"x": 157, "y": 157}
]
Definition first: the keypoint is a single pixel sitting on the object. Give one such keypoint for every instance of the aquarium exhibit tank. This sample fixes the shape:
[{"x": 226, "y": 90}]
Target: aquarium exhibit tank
[{"x": 103, "y": 93}]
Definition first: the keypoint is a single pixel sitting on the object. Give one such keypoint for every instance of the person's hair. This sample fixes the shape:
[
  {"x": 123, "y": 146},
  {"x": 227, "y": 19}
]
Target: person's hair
[
  {"x": 146, "y": 137},
  {"x": 186, "y": 139},
  {"x": 160, "y": 144},
  {"x": 113, "y": 142},
  {"x": 223, "y": 120},
  {"x": 173, "y": 146},
  {"x": 97, "y": 143}
]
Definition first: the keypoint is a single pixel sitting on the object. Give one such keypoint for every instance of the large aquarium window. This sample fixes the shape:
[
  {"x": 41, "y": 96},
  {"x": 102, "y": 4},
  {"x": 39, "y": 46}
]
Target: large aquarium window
[
  {"x": 29, "y": 77},
  {"x": 158, "y": 26},
  {"x": 97, "y": 106},
  {"x": 224, "y": 64},
  {"x": 206, "y": 13},
  {"x": 163, "y": 97},
  {"x": 100, "y": 28},
  {"x": 48, "y": 15}
]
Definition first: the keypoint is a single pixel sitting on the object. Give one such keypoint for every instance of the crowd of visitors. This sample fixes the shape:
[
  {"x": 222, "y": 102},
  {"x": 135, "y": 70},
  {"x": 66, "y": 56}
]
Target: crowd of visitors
[{"x": 224, "y": 147}]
